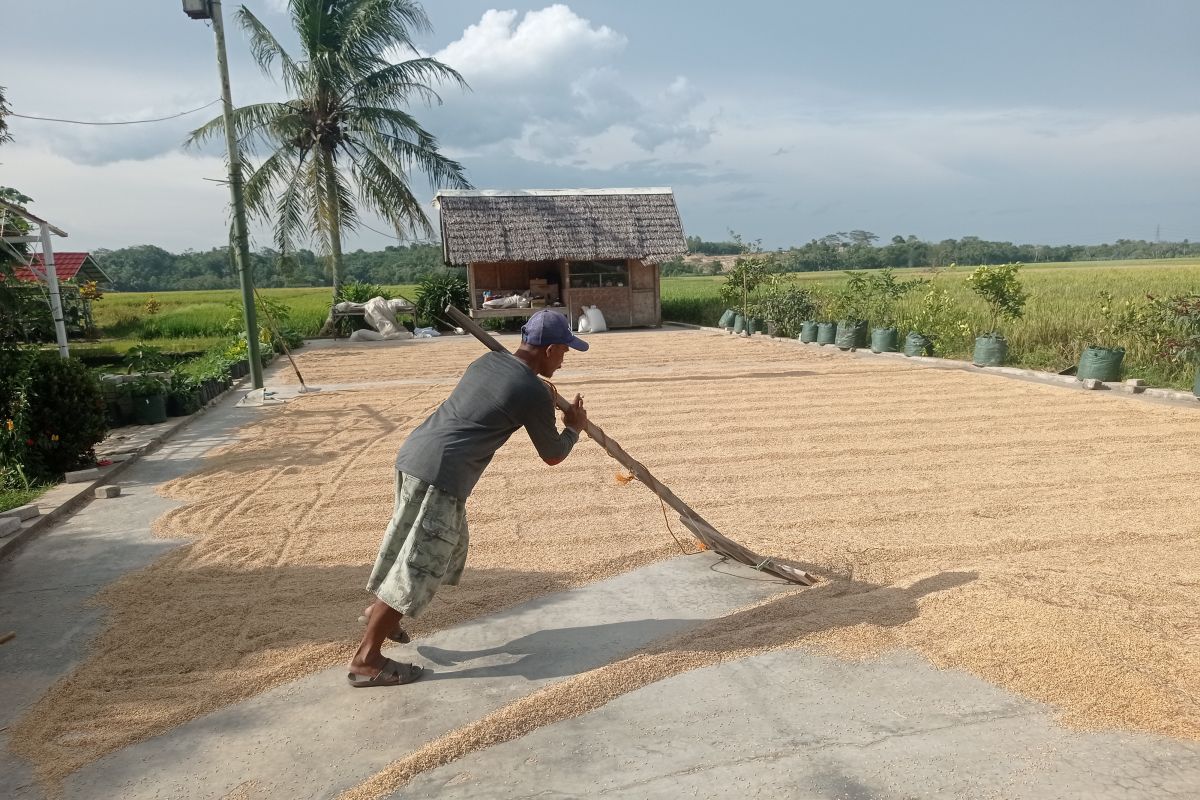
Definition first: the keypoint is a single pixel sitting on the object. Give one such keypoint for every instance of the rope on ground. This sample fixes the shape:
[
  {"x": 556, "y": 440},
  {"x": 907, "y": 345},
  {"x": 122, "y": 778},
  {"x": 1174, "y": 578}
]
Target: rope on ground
[{"x": 625, "y": 479}]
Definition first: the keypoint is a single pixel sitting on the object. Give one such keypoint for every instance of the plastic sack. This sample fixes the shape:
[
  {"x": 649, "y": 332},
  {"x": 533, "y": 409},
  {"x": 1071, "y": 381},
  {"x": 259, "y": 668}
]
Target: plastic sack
[
  {"x": 917, "y": 345},
  {"x": 826, "y": 332},
  {"x": 990, "y": 351},
  {"x": 584, "y": 325},
  {"x": 596, "y": 321},
  {"x": 1101, "y": 363},
  {"x": 883, "y": 340},
  {"x": 851, "y": 334},
  {"x": 726, "y": 320},
  {"x": 425, "y": 333},
  {"x": 808, "y": 331}
]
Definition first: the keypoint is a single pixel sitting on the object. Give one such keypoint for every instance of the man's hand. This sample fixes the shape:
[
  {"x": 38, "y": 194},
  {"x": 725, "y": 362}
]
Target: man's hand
[{"x": 575, "y": 417}]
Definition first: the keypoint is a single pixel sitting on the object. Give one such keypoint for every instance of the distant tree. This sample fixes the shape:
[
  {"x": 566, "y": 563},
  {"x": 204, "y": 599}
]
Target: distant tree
[
  {"x": 347, "y": 128},
  {"x": 5, "y": 134}
]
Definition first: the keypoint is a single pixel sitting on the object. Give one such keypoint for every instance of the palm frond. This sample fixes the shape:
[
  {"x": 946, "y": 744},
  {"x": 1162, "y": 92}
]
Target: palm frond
[
  {"x": 376, "y": 26},
  {"x": 263, "y": 181},
  {"x": 422, "y": 155},
  {"x": 294, "y": 200},
  {"x": 260, "y": 120},
  {"x": 385, "y": 189},
  {"x": 266, "y": 50},
  {"x": 397, "y": 83}
]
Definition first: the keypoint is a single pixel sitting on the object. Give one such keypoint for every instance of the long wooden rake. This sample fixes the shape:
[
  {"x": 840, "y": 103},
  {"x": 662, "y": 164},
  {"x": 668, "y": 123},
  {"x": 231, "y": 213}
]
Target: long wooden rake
[{"x": 712, "y": 538}]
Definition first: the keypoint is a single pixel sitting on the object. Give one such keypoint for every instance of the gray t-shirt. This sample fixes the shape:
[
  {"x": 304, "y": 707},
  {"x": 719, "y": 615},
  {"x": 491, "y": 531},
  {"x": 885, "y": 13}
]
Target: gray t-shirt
[{"x": 497, "y": 395}]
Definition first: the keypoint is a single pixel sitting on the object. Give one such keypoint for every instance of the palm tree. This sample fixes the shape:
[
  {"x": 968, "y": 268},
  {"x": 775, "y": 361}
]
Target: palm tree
[{"x": 345, "y": 137}]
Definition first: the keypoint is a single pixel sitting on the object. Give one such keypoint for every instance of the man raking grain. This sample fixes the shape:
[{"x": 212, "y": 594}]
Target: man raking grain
[{"x": 425, "y": 544}]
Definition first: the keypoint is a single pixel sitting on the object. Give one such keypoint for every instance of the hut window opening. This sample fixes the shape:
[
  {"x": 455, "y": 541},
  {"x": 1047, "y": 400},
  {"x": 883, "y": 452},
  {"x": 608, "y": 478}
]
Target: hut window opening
[{"x": 599, "y": 274}]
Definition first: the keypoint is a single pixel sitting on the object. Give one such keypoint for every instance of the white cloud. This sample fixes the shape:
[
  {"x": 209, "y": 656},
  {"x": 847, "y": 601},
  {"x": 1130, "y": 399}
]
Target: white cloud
[
  {"x": 548, "y": 86},
  {"x": 499, "y": 50}
]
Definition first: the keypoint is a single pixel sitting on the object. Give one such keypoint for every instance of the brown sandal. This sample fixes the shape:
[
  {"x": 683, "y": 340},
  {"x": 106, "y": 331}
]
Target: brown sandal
[{"x": 393, "y": 673}]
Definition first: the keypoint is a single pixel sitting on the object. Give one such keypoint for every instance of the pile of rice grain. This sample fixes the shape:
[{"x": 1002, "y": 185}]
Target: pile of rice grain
[{"x": 1038, "y": 538}]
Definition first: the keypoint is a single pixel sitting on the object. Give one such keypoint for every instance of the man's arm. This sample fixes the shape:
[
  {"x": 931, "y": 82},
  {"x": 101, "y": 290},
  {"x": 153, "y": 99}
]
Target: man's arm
[{"x": 551, "y": 445}]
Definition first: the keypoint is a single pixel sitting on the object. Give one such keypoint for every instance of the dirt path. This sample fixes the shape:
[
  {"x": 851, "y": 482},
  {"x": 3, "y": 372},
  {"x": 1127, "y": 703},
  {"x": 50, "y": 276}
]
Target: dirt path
[{"x": 1042, "y": 539}]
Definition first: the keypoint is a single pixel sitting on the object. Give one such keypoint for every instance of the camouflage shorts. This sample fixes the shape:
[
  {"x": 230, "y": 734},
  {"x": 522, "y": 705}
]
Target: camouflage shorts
[{"x": 425, "y": 546}]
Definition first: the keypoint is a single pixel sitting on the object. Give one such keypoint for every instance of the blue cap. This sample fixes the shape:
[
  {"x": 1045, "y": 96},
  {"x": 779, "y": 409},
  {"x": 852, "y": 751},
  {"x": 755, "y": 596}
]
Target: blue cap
[{"x": 550, "y": 327}]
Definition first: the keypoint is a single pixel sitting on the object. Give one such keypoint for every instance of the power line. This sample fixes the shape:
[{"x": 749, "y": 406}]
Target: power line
[
  {"x": 393, "y": 235},
  {"x": 124, "y": 122}
]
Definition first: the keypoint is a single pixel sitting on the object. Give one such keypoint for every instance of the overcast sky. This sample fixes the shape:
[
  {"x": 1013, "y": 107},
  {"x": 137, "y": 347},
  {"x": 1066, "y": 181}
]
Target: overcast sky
[{"x": 1050, "y": 122}]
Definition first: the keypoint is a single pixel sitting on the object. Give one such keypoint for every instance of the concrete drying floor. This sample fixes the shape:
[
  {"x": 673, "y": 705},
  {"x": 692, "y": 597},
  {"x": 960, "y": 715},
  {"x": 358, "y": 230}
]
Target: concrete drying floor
[{"x": 981, "y": 633}]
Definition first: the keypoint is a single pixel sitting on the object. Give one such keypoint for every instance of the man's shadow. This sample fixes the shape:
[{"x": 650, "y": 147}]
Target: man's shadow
[{"x": 559, "y": 652}]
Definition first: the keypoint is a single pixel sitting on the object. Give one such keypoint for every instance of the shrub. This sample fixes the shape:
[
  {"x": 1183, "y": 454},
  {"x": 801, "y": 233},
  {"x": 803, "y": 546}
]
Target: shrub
[
  {"x": 747, "y": 275},
  {"x": 785, "y": 304},
  {"x": 52, "y": 414},
  {"x": 435, "y": 292},
  {"x": 943, "y": 321},
  {"x": 1000, "y": 287},
  {"x": 145, "y": 358}
]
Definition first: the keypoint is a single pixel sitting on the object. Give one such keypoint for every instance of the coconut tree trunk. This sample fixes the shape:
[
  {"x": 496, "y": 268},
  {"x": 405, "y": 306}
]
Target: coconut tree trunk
[{"x": 333, "y": 206}]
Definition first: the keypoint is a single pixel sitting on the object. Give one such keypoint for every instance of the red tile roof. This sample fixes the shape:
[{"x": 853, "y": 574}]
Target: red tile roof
[{"x": 67, "y": 265}]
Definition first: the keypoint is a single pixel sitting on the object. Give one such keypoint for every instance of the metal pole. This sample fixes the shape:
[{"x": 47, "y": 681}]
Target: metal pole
[
  {"x": 241, "y": 241},
  {"x": 60, "y": 327}
]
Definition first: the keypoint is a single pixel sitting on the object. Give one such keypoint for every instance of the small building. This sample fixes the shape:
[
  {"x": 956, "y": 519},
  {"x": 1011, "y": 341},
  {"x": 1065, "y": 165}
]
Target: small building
[
  {"x": 78, "y": 267},
  {"x": 563, "y": 248}
]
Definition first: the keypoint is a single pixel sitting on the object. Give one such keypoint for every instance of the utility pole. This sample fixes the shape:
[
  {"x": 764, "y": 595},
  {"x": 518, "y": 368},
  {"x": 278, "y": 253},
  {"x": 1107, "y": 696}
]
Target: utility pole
[{"x": 211, "y": 9}]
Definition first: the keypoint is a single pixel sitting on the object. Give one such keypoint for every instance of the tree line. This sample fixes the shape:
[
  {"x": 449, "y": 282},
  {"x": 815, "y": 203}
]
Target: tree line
[
  {"x": 147, "y": 268},
  {"x": 861, "y": 250}
]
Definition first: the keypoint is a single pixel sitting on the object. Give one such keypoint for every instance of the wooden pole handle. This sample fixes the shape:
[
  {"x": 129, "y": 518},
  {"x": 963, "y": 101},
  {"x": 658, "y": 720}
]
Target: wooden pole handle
[{"x": 705, "y": 532}]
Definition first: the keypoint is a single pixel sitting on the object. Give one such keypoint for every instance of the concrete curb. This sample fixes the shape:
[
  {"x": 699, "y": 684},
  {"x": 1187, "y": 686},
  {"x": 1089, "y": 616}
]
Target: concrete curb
[
  {"x": 1018, "y": 373},
  {"x": 66, "y": 499}
]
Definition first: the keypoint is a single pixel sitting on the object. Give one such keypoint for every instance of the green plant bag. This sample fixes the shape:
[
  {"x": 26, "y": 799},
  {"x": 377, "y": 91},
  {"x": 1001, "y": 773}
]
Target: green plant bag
[
  {"x": 808, "y": 332},
  {"x": 150, "y": 409},
  {"x": 739, "y": 323},
  {"x": 990, "y": 351},
  {"x": 851, "y": 334},
  {"x": 1196, "y": 385},
  {"x": 757, "y": 326},
  {"x": 826, "y": 333},
  {"x": 1101, "y": 363},
  {"x": 917, "y": 345},
  {"x": 883, "y": 340},
  {"x": 726, "y": 320}
]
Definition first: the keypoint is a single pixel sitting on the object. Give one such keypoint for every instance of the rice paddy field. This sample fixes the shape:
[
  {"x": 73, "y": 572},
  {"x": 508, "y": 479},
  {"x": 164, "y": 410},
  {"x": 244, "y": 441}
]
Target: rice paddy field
[{"x": 1062, "y": 312}]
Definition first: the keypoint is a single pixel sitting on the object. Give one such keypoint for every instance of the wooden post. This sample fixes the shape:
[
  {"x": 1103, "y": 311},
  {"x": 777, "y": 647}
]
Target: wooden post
[
  {"x": 56, "y": 311},
  {"x": 705, "y": 532}
]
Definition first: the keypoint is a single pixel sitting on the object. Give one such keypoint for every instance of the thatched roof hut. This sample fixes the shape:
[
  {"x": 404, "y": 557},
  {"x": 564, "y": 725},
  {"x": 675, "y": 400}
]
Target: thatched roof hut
[
  {"x": 574, "y": 247},
  {"x": 576, "y": 224}
]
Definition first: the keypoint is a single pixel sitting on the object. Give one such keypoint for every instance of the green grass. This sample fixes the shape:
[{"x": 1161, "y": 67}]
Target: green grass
[
  {"x": 123, "y": 315},
  {"x": 1062, "y": 312},
  {"x": 11, "y": 498}
]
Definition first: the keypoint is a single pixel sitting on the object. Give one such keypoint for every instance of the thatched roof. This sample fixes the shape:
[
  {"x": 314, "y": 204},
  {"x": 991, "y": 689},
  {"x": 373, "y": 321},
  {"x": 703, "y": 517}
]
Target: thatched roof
[{"x": 573, "y": 224}]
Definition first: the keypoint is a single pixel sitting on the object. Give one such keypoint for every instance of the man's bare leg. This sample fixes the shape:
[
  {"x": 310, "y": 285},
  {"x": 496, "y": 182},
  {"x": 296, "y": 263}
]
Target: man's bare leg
[{"x": 381, "y": 621}]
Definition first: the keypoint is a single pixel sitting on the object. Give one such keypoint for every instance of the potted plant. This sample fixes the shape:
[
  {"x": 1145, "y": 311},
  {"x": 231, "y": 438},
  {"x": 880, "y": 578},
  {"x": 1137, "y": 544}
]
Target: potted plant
[
  {"x": 784, "y": 306},
  {"x": 143, "y": 358},
  {"x": 1102, "y": 358},
  {"x": 1000, "y": 287},
  {"x": 939, "y": 325},
  {"x": 850, "y": 306},
  {"x": 149, "y": 400},
  {"x": 748, "y": 274},
  {"x": 183, "y": 397},
  {"x": 884, "y": 292}
]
